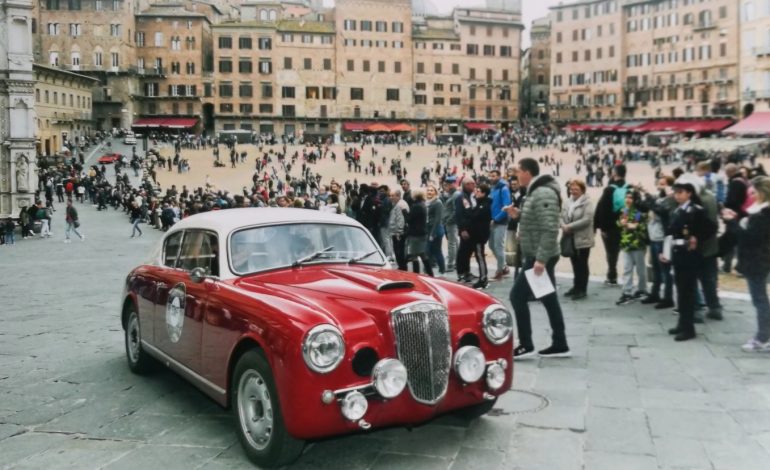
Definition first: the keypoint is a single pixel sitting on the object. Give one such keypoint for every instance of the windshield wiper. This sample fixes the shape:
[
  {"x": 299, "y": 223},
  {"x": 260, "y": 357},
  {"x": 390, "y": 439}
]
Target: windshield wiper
[
  {"x": 358, "y": 259},
  {"x": 311, "y": 257}
]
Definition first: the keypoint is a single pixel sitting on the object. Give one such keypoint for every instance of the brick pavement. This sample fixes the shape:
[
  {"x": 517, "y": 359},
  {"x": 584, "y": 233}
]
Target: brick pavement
[{"x": 630, "y": 398}]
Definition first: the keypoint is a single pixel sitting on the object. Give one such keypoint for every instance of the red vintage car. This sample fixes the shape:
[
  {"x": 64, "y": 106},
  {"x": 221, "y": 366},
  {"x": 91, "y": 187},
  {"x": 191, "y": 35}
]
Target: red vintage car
[
  {"x": 109, "y": 158},
  {"x": 295, "y": 320}
]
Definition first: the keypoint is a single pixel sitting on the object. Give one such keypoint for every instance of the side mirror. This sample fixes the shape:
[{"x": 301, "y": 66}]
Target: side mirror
[{"x": 197, "y": 275}]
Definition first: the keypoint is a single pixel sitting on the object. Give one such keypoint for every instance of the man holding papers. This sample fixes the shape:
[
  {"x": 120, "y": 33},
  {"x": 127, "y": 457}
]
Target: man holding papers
[{"x": 539, "y": 222}]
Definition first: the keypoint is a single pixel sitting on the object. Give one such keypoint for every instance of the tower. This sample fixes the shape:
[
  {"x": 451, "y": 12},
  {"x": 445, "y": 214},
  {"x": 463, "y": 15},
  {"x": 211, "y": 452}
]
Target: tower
[{"x": 18, "y": 168}]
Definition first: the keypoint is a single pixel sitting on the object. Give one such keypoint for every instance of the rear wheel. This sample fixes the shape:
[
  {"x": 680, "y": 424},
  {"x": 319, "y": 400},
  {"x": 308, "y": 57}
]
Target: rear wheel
[
  {"x": 476, "y": 411},
  {"x": 138, "y": 360},
  {"x": 257, "y": 413}
]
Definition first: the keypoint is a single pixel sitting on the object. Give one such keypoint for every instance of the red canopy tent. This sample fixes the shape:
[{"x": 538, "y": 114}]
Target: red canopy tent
[{"x": 757, "y": 123}]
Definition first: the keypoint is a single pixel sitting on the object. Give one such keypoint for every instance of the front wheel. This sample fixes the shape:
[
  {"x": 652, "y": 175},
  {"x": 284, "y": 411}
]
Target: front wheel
[
  {"x": 258, "y": 416},
  {"x": 138, "y": 360},
  {"x": 476, "y": 411}
]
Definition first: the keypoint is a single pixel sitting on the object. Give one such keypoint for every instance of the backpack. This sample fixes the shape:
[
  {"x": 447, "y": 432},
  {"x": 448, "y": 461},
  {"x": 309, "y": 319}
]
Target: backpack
[{"x": 619, "y": 197}]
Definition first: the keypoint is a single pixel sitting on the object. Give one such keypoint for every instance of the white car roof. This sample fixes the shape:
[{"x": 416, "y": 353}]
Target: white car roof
[{"x": 228, "y": 220}]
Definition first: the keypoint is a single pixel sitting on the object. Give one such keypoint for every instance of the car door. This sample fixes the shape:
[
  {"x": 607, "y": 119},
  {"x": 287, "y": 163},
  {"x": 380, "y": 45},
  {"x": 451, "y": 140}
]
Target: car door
[{"x": 180, "y": 306}]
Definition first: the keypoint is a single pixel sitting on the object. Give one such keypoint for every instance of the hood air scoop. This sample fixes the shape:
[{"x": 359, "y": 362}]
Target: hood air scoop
[{"x": 391, "y": 285}]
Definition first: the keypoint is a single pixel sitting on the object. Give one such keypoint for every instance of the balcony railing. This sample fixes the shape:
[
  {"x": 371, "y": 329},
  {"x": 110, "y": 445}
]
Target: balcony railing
[
  {"x": 703, "y": 25},
  {"x": 151, "y": 71}
]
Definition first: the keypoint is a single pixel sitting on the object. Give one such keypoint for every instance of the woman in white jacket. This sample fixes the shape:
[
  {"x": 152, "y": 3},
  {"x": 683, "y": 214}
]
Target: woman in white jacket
[{"x": 578, "y": 225}]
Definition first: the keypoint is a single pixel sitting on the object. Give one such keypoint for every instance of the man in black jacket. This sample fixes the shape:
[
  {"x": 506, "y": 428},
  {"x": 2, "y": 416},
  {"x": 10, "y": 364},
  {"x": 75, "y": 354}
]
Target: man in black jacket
[
  {"x": 464, "y": 218},
  {"x": 735, "y": 199},
  {"x": 605, "y": 219}
]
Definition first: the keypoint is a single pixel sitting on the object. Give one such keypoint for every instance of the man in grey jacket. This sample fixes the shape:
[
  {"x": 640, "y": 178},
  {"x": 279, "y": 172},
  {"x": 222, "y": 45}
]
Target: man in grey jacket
[
  {"x": 448, "y": 218},
  {"x": 539, "y": 222}
]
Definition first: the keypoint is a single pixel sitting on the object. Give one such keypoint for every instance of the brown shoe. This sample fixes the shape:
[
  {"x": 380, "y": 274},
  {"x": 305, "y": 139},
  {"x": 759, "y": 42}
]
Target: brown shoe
[{"x": 498, "y": 276}]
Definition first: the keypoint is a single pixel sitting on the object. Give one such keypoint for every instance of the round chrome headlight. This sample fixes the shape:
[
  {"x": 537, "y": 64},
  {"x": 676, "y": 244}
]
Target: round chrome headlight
[
  {"x": 389, "y": 378},
  {"x": 497, "y": 323},
  {"x": 354, "y": 405},
  {"x": 323, "y": 348},
  {"x": 469, "y": 364},
  {"x": 495, "y": 376}
]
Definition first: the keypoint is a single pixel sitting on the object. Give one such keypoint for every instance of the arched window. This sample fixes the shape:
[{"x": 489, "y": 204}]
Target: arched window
[
  {"x": 273, "y": 15},
  {"x": 263, "y": 15},
  {"x": 53, "y": 58}
]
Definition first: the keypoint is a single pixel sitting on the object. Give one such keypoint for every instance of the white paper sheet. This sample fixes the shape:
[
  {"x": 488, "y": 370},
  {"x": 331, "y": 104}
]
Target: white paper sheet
[{"x": 541, "y": 285}]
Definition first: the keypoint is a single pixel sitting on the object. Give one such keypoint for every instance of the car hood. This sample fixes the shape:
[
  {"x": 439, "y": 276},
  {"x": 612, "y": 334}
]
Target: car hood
[{"x": 354, "y": 296}]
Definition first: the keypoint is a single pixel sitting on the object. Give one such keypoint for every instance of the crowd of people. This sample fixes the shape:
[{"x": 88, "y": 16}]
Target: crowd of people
[{"x": 516, "y": 207}]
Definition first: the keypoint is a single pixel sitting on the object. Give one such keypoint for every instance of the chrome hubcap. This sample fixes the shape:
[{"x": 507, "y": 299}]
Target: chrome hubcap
[
  {"x": 255, "y": 410},
  {"x": 133, "y": 338}
]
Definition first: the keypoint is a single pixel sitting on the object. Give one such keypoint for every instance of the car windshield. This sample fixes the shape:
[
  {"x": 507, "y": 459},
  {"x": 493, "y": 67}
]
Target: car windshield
[{"x": 263, "y": 248}]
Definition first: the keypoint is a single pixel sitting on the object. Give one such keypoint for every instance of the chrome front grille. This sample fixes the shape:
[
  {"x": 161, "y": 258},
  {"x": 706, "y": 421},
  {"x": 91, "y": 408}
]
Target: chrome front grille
[{"x": 422, "y": 343}]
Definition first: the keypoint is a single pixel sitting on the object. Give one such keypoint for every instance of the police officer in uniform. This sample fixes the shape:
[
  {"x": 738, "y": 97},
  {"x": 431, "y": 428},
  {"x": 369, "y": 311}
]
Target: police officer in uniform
[{"x": 689, "y": 228}]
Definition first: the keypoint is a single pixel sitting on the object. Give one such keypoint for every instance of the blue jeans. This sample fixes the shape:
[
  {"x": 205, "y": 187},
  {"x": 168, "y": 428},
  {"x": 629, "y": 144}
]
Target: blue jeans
[
  {"x": 758, "y": 289},
  {"x": 497, "y": 244},
  {"x": 10, "y": 237},
  {"x": 434, "y": 253},
  {"x": 661, "y": 273},
  {"x": 135, "y": 227}
]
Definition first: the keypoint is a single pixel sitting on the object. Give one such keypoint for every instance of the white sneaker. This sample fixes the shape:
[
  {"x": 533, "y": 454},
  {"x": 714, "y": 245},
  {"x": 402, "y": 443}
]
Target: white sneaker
[
  {"x": 67, "y": 240},
  {"x": 753, "y": 345}
]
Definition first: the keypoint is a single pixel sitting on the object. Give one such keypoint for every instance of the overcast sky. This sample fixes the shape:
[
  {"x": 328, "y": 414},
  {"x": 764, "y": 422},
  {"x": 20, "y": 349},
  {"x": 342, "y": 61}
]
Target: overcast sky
[{"x": 532, "y": 9}]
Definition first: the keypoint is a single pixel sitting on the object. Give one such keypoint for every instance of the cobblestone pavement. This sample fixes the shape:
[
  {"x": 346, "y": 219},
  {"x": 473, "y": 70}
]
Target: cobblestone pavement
[{"x": 630, "y": 398}]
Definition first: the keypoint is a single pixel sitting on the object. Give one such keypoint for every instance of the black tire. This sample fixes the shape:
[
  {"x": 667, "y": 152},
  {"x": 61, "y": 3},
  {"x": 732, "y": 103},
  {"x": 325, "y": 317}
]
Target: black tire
[
  {"x": 138, "y": 360},
  {"x": 476, "y": 411},
  {"x": 258, "y": 418}
]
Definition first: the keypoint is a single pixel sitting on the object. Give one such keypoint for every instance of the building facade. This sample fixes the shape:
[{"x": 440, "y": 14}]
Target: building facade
[
  {"x": 614, "y": 59},
  {"x": 754, "y": 56},
  {"x": 586, "y": 60},
  {"x": 94, "y": 38},
  {"x": 173, "y": 51},
  {"x": 364, "y": 60},
  {"x": 63, "y": 108},
  {"x": 18, "y": 167},
  {"x": 539, "y": 70},
  {"x": 681, "y": 59}
]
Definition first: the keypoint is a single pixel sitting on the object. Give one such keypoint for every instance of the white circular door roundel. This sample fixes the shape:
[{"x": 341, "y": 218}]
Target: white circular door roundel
[{"x": 175, "y": 307}]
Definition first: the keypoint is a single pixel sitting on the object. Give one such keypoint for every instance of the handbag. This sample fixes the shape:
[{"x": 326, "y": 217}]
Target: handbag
[
  {"x": 567, "y": 244},
  {"x": 76, "y": 223}
]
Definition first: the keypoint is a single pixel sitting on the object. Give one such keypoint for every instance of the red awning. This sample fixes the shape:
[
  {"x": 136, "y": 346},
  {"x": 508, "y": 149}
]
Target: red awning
[
  {"x": 377, "y": 127},
  {"x": 401, "y": 127},
  {"x": 479, "y": 126},
  {"x": 355, "y": 126},
  {"x": 148, "y": 122},
  {"x": 171, "y": 123},
  {"x": 629, "y": 126},
  {"x": 180, "y": 123},
  {"x": 757, "y": 123},
  {"x": 655, "y": 126},
  {"x": 706, "y": 125}
]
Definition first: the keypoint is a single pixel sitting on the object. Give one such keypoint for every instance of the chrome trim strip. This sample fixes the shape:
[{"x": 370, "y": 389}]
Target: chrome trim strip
[
  {"x": 206, "y": 385},
  {"x": 354, "y": 388}
]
